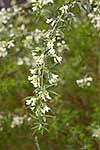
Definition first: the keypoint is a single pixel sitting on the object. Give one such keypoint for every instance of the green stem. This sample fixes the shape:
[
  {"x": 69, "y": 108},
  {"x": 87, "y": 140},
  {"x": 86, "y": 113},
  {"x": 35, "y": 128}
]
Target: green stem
[{"x": 37, "y": 142}]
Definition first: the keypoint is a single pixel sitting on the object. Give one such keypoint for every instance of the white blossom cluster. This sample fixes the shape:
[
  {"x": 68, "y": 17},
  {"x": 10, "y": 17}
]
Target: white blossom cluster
[
  {"x": 95, "y": 20},
  {"x": 4, "y": 16},
  {"x": 84, "y": 82},
  {"x": 48, "y": 47},
  {"x": 3, "y": 47},
  {"x": 28, "y": 41},
  {"x": 25, "y": 60},
  {"x": 38, "y": 35},
  {"x": 94, "y": 16},
  {"x": 39, "y": 71},
  {"x": 64, "y": 9},
  {"x": 38, "y": 4},
  {"x": 96, "y": 133},
  {"x": 10, "y": 44},
  {"x": 14, "y": 120},
  {"x": 17, "y": 121},
  {"x": 62, "y": 46},
  {"x": 3, "y": 51},
  {"x": 52, "y": 52}
]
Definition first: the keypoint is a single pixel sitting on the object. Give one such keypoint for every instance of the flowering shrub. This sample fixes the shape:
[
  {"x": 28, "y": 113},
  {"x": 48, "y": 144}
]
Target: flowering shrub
[
  {"x": 14, "y": 120},
  {"x": 58, "y": 42}
]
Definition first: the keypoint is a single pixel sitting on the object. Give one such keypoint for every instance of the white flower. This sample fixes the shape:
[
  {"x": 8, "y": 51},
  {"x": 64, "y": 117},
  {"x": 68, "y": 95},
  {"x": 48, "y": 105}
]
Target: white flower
[
  {"x": 11, "y": 44},
  {"x": 31, "y": 102},
  {"x": 3, "y": 52},
  {"x": 45, "y": 109},
  {"x": 52, "y": 52},
  {"x": 28, "y": 102},
  {"x": 33, "y": 71},
  {"x": 49, "y": 20},
  {"x": 17, "y": 121},
  {"x": 90, "y": 15},
  {"x": 39, "y": 59},
  {"x": 50, "y": 44},
  {"x": 40, "y": 3},
  {"x": 97, "y": 22},
  {"x": 20, "y": 61},
  {"x": 53, "y": 79},
  {"x": 95, "y": 19},
  {"x": 38, "y": 34},
  {"x": 96, "y": 133},
  {"x": 91, "y": 1},
  {"x": 45, "y": 2},
  {"x": 32, "y": 108},
  {"x": 22, "y": 27},
  {"x": 33, "y": 99},
  {"x": 30, "y": 78},
  {"x": 53, "y": 22},
  {"x": 79, "y": 81},
  {"x": 64, "y": 9},
  {"x": 58, "y": 44},
  {"x": 33, "y": 53},
  {"x": 44, "y": 95},
  {"x": 62, "y": 46},
  {"x": 27, "y": 61},
  {"x": 58, "y": 59},
  {"x": 35, "y": 80},
  {"x": 86, "y": 81},
  {"x": 34, "y": 8},
  {"x": 47, "y": 34}
]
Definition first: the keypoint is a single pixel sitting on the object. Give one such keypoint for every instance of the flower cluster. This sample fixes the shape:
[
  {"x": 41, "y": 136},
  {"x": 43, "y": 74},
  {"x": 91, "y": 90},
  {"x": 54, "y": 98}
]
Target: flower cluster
[
  {"x": 84, "y": 82},
  {"x": 96, "y": 133},
  {"x": 28, "y": 41},
  {"x": 17, "y": 121},
  {"x": 46, "y": 55},
  {"x": 38, "y": 35},
  {"x": 62, "y": 46},
  {"x": 38, "y": 4},
  {"x": 64, "y": 9},
  {"x": 14, "y": 120},
  {"x": 24, "y": 60},
  {"x": 94, "y": 16},
  {"x": 4, "y": 46},
  {"x": 3, "y": 51},
  {"x": 4, "y": 16}
]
